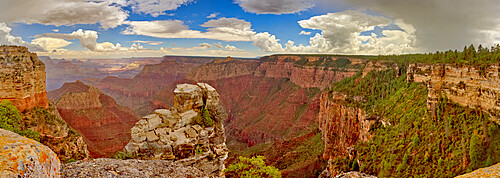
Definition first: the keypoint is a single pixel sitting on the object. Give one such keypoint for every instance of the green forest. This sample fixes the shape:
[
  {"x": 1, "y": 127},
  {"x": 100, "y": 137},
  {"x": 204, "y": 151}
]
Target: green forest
[
  {"x": 470, "y": 55},
  {"x": 453, "y": 141}
]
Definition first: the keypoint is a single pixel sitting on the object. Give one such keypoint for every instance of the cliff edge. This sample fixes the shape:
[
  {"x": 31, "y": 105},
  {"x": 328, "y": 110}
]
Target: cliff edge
[{"x": 22, "y": 78}]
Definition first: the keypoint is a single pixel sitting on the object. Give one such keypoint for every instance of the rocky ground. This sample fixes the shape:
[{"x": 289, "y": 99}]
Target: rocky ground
[
  {"x": 105, "y": 167},
  {"x": 492, "y": 171}
]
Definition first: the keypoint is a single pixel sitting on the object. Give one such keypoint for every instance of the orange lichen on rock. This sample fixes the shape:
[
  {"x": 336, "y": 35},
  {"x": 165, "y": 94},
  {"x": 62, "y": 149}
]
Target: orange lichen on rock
[{"x": 23, "y": 157}]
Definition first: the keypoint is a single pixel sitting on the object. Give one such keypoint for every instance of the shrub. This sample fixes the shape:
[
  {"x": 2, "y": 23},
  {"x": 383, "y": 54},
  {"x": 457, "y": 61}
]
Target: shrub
[
  {"x": 204, "y": 118},
  {"x": 10, "y": 119},
  {"x": 251, "y": 167},
  {"x": 122, "y": 155}
]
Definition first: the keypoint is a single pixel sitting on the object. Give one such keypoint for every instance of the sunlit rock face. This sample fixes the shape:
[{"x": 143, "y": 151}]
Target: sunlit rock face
[
  {"x": 175, "y": 134},
  {"x": 22, "y": 78},
  {"x": 467, "y": 85},
  {"x": 23, "y": 157}
]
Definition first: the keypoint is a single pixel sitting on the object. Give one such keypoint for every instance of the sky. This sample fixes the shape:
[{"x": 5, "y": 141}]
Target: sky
[{"x": 82, "y": 29}]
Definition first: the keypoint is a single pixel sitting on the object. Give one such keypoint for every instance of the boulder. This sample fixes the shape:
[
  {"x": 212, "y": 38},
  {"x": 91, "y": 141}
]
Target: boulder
[
  {"x": 23, "y": 157},
  {"x": 191, "y": 133},
  {"x": 151, "y": 136},
  {"x": 153, "y": 121},
  {"x": 210, "y": 95},
  {"x": 186, "y": 118},
  {"x": 187, "y": 97}
]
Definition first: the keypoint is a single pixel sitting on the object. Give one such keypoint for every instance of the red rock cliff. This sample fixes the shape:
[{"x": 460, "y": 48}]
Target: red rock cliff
[
  {"x": 22, "y": 78},
  {"x": 341, "y": 126},
  {"x": 318, "y": 74},
  {"x": 136, "y": 92},
  {"x": 104, "y": 124}
]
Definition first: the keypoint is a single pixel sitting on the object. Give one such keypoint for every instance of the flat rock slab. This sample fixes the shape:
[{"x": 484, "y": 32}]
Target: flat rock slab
[{"x": 105, "y": 167}]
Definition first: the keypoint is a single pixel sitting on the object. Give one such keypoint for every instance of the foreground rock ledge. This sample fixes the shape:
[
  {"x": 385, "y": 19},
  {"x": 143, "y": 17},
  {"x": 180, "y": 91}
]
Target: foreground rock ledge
[
  {"x": 105, "y": 167},
  {"x": 23, "y": 157}
]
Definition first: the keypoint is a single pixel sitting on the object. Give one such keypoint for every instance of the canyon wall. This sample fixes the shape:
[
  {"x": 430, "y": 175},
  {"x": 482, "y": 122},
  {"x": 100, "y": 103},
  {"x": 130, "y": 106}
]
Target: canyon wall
[
  {"x": 319, "y": 75},
  {"x": 137, "y": 92},
  {"x": 103, "y": 123},
  {"x": 473, "y": 86},
  {"x": 22, "y": 78},
  {"x": 341, "y": 126}
]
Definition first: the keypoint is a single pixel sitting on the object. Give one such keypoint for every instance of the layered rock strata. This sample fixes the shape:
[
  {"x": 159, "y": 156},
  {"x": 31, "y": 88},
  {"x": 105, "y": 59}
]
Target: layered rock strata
[
  {"x": 103, "y": 123},
  {"x": 175, "y": 134},
  {"x": 473, "y": 86},
  {"x": 342, "y": 126},
  {"x": 23, "y": 157},
  {"x": 22, "y": 78}
]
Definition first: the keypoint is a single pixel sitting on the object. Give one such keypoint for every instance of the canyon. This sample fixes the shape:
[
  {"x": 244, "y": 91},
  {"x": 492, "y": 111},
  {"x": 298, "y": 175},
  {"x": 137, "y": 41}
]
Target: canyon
[
  {"x": 269, "y": 99},
  {"x": 104, "y": 124}
]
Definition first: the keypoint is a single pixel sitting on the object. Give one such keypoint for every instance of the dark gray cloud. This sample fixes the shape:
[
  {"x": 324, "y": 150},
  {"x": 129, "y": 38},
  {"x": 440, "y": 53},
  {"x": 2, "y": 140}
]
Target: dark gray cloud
[
  {"x": 275, "y": 6},
  {"x": 439, "y": 24},
  {"x": 62, "y": 12}
]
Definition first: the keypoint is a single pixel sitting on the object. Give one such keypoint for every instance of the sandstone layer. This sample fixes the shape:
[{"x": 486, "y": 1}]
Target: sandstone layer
[
  {"x": 103, "y": 123},
  {"x": 473, "y": 86},
  {"x": 22, "y": 78},
  {"x": 23, "y": 157},
  {"x": 182, "y": 133}
]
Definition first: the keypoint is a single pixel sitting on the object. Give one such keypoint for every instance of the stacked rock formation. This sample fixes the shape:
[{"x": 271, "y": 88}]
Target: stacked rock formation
[
  {"x": 184, "y": 133},
  {"x": 22, "y": 78},
  {"x": 23, "y": 157}
]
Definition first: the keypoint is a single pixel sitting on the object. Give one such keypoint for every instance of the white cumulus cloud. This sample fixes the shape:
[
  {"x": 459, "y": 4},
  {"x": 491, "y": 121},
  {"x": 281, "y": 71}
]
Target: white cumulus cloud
[
  {"x": 226, "y": 29},
  {"x": 88, "y": 40},
  {"x": 7, "y": 39},
  {"x": 50, "y": 44},
  {"x": 341, "y": 33},
  {"x": 213, "y": 15},
  {"x": 304, "y": 33}
]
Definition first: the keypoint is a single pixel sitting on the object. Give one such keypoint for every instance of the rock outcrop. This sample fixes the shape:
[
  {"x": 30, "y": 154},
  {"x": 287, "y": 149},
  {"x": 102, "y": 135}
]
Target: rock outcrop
[
  {"x": 105, "y": 167},
  {"x": 22, "y": 78},
  {"x": 342, "y": 126},
  {"x": 103, "y": 123},
  {"x": 191, "y": 132},
  {"x": 23, "y": 157},
  {"x": 56, "y": 134},
  {"x": 473, "y": 86}
]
